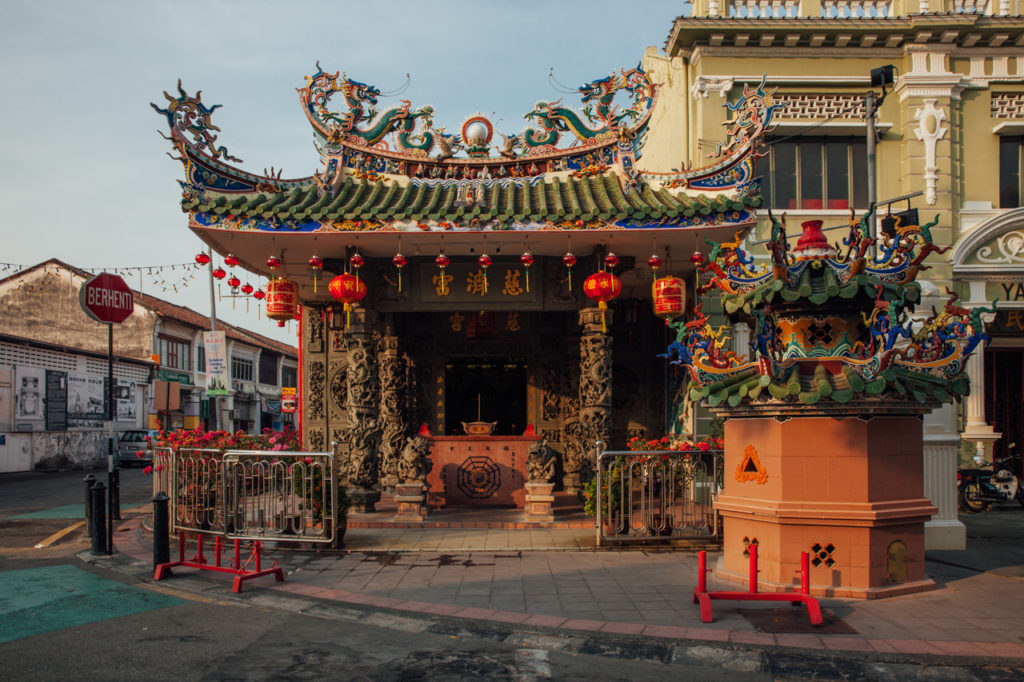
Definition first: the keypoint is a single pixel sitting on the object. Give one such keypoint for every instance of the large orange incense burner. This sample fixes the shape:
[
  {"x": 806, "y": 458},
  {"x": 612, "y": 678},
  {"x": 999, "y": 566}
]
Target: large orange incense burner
[{"x": 823, "y": 432}]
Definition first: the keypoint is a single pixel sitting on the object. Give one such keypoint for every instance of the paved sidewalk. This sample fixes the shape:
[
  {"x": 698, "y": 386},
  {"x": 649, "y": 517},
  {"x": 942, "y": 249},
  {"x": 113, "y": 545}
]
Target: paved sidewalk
[{"x": 501, "y": 576}]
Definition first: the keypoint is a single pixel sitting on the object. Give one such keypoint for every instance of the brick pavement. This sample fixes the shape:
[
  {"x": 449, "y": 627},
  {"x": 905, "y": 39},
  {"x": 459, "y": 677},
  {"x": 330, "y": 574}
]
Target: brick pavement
[{"x": 517, "y": 576}]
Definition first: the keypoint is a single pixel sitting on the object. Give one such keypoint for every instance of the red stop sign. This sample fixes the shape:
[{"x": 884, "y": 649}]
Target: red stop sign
[{"x": 106, "y": 298}]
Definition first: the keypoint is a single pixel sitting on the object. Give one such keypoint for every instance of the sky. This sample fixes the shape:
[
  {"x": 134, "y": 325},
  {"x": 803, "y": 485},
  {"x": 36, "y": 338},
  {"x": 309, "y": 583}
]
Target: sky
[{"x": 85, "y": 176}]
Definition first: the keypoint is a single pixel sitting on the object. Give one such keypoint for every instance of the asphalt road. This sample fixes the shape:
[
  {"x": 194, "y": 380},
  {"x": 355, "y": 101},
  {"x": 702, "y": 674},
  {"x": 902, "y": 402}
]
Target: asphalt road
[
  {"x": 65, "y": 618},
  {"x": 62, "y": 618}
]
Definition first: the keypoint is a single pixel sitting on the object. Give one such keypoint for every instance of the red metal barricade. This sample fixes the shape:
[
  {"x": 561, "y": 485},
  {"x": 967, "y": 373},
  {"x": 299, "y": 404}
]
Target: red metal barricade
[
  {"x": 703, "y": 597},
  {"x": 241, "y": 570}
]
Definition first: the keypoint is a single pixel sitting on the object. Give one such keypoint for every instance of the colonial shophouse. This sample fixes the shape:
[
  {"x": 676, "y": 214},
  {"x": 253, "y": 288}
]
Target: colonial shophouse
[{"x": 53, "y": 370}]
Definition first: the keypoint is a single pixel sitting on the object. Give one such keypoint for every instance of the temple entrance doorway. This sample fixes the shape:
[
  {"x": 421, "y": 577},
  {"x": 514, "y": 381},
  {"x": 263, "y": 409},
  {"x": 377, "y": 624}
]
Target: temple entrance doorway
[{"x": 489, "y": 389}]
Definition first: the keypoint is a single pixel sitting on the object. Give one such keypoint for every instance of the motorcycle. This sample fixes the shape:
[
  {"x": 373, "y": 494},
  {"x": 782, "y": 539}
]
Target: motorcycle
[{"x": 977, "y": 489}]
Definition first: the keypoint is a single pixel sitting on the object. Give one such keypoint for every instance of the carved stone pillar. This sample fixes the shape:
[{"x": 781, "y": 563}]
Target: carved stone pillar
[
  {"x": 314, "y": 379},
  {"x": 362, "y": 466},
  {"x": 595, "y": 416},
  {"x": 393, "y": 390}
]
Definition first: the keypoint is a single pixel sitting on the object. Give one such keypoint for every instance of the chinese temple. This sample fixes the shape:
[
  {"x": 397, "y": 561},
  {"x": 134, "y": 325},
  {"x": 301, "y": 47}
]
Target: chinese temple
[{"x": 486, "y": 290}]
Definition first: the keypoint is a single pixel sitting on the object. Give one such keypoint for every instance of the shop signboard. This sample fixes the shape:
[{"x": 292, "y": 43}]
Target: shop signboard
[
  {"x": 216, "y": 363},
  {"x": 288, "y": 399}
]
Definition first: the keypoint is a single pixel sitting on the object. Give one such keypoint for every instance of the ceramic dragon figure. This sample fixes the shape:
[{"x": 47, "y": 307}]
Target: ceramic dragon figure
[{"x": 551, "y": 119}]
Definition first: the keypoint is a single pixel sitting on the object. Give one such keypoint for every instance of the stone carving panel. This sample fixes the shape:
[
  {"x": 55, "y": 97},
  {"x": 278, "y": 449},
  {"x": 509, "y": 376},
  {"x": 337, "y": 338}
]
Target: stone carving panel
[
  {"x": 315, "y": 329},
  {"x": 363, "y": 378},
  {"x": 596, "y": 370},
  {"x": 315, "y": 394}
]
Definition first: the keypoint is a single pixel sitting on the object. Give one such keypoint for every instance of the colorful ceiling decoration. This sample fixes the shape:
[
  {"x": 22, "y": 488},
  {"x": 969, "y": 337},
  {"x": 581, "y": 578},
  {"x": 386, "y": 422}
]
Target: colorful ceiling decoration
[{"x": 832, "y": 327}]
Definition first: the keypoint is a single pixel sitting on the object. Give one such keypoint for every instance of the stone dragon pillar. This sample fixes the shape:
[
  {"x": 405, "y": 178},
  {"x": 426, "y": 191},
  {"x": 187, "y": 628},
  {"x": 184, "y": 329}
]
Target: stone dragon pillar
[
  {"x": 393, "y": 390},
  {"x": 595, "y": 415},
  {"x": 361, "y": 468}
]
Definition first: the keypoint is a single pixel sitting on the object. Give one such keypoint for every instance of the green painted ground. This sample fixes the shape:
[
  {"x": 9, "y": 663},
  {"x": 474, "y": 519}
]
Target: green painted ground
[
  {"x": 68, "y": 511},
  {"x": 39, "y": 600}
]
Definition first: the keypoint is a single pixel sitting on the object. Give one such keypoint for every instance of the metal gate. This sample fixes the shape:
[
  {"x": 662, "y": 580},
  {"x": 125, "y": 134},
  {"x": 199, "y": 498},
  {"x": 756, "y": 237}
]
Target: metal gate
[
  {"x": 254, "y": 494},
  {"x": 655, "y": 496}
]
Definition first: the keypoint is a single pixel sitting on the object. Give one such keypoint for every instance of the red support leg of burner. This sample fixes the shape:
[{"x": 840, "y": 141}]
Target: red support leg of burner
[{"x": 702, "y": 597}]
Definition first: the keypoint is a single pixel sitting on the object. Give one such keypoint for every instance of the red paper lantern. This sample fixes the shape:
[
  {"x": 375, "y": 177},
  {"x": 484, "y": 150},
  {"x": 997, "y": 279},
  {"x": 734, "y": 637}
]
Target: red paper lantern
[
  {"x": 442, "y": 262},
  {"x": 611, "y": 260},
  {"x": 348, "y": 289},
  {"x": 219, "y": 273},
  {"x": 273, "y": 262},
  {"x": 230, "y": 260},
  {"x": 485, "y": 262},
  {"x": 669, "y": 295},
  {"x": 234, "y": 282},
  {"x": 247, "y": 289},
  {"x": 527, "y": 260},
  {"x": 602, "y": 287},
  {"x": 697, "y": 258},
  {"x": 202, "y": 258},
  {"x": 259, "y": 295},
  {"x": 357, "y": 261},
  {"x": 399, "y": 262},
  {"x": 654, "y": 262},
  {"x": 316, "y": 265},
  {"x": 569, "y": 261},
  {"x": 282, "y": 300}
]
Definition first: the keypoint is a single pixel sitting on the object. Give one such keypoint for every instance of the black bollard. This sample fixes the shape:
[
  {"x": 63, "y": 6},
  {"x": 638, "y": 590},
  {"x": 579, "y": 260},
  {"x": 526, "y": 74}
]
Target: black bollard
[
  {"x": 161, "y": 530},
  {"x": 88, "y": 481},
  {"x": 99, "y": 520},
  {"x": 114, "y": 481}
]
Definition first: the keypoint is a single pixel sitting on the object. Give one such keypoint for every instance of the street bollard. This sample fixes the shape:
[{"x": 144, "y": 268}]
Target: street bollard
[
  {"x": 99, "y": 521},
  {"x": 161, "y": 530},
  {"x": 89, "y": 481},
  {"x": 114, "y": 481}
]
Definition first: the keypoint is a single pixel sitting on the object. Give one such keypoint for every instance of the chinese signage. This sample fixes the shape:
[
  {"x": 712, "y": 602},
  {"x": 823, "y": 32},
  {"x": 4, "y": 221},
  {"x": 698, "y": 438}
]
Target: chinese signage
[{"x": 216, "y": 363}]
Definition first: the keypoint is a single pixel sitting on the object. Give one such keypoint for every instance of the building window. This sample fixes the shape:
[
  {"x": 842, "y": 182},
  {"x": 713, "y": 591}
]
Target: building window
[
  {"x": 815, "y": 174},
  {"x": 201, "y": 359},
  {"x": 174, "y": 353},
  {"x": 289, "y": 376},
  {"x": 268, "y": 368},
  {"x": 241, "y": 368},
  {"x": 1010, "y": 151}
]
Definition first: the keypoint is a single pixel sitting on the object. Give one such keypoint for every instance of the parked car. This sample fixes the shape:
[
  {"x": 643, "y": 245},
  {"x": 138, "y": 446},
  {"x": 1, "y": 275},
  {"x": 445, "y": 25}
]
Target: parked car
[{"x": 129, "y": 444}]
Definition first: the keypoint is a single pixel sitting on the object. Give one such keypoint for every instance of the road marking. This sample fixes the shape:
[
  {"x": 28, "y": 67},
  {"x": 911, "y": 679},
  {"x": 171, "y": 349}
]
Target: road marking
[
  {"x": 532, "y": 664},
  {"x": 36, "y": 601},
  {"x": 59, "y": 534}
]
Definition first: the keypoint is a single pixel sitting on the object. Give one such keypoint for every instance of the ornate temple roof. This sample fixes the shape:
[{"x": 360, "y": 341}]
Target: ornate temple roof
[
  {"x": 391, "y": 172},
  {"x": 570, "y": 203}
]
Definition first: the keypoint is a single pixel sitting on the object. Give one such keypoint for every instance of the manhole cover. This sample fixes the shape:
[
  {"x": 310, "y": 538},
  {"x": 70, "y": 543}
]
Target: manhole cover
[{"x": 795, "y": 621}]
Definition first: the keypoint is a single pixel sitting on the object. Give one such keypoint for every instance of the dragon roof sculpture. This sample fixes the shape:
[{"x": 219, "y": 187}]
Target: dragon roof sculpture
[
  {"x": 567, "y": 169},
  {"x": 832, "y": 327}
]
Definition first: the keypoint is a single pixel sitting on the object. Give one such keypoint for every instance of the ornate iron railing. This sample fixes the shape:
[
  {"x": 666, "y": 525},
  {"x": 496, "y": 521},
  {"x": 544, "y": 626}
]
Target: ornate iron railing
[
  {"x": 657, "y": 495},
  {"x": 253, "y": 494}
]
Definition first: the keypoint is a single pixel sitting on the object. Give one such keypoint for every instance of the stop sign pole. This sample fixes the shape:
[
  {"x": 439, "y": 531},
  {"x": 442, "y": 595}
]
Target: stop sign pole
[{"x": 107, "y": 299}]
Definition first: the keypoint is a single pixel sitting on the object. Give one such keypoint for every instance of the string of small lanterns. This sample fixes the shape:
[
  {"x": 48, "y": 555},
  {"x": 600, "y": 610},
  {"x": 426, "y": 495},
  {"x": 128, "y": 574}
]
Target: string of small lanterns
[
  {"x": 188, "y": 273},
  {"x": 348, "y": 288}
]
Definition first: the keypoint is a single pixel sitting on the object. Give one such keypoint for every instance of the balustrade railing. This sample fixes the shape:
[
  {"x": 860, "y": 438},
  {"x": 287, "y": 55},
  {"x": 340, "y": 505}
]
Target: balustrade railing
[
  {"x": 845, "y": 9},
  {"x": 657, "y": 495}
]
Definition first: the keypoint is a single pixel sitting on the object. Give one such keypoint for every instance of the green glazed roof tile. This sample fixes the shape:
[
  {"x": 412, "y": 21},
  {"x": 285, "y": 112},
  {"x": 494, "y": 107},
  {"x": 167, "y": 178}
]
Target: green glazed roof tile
[{"x": 595, "y": 196}]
